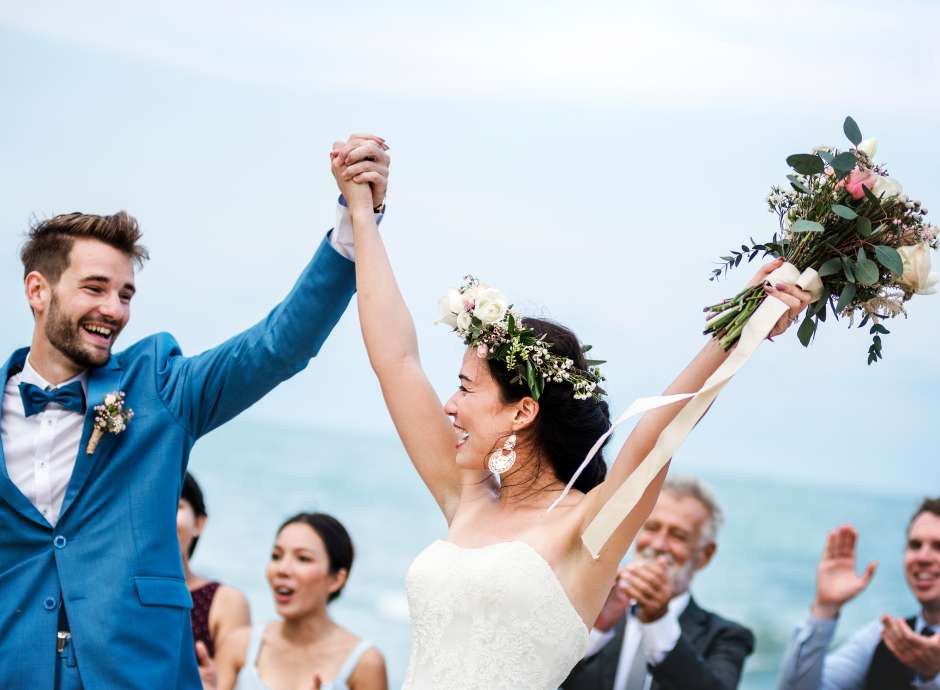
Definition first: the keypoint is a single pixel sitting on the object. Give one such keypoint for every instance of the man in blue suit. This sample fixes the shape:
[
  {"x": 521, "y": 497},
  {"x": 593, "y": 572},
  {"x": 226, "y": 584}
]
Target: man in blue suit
[{"x": 92, "y": 593}]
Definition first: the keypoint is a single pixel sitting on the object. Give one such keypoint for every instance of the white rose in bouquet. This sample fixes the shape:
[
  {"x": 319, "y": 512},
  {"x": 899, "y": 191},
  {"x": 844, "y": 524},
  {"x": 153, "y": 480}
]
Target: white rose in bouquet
[
  {"x": 917, "y": 274},
  {"x": 869, "y": 147},
  {"x": 491, "y": 305},
  {"x": 450, "y": 306},
  {"x": 464, "y": 321},
  {"x": 887, "y": 187}
]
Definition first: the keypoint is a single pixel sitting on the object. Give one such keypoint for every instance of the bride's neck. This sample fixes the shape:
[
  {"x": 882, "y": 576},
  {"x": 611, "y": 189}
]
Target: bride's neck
[{"x": 532, "y": 481}]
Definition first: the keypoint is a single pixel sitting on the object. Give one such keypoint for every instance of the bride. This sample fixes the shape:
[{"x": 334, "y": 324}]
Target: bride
[{"x": 506, "y": 601}]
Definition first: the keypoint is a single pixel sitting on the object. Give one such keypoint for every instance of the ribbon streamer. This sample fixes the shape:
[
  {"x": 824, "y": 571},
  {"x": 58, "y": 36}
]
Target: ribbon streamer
[{"x": 624, "y": 500}]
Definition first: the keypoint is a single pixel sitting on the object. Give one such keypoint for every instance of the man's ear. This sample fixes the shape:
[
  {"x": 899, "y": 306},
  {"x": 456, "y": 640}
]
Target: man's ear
[
  {"x": 527, "y": 410},
  {"x": 38, "y": 291},
  {"x": 705, "y": 555}
]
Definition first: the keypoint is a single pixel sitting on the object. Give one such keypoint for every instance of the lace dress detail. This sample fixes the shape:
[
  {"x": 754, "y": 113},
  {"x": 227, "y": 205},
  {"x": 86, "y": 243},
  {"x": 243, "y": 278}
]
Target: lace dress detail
[{"x": 492, "y": 618}]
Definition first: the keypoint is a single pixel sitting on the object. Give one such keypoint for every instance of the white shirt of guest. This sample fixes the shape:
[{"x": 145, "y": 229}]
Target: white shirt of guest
[
  {"x": 40, "y": 451},
  {"x": 654, "y": 640}
]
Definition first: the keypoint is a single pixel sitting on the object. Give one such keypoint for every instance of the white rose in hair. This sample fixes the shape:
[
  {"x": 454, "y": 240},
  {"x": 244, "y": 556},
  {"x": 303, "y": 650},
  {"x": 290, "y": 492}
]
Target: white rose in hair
[
  {"x": 464, "y": 320},
  {"x": 887, "y": 186},
  {"x": 449, "y": 307},
  {"x": 917, "y": 274},
  {"x": 491, "y": 305}
]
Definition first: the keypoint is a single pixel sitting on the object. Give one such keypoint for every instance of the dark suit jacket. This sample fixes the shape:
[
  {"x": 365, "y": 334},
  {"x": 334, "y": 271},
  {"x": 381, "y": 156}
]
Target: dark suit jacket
[{"x": 709, "y": 655}]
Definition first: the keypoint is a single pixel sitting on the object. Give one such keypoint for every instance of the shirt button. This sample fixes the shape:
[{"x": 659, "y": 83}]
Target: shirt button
[
  {"x": 49, "y": 603},
  {"x": 60, "y": 542}
]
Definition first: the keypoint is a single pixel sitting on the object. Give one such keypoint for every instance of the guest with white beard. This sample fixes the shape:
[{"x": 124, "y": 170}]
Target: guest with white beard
[{"x": 651, "y": 635}]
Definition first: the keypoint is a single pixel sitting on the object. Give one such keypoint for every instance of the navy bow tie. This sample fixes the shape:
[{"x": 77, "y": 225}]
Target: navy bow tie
[{"x": 70, "y": 396}]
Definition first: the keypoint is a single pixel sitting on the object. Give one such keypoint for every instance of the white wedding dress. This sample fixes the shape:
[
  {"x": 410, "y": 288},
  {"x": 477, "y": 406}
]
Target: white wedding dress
[{"x": 489, "y": 618}]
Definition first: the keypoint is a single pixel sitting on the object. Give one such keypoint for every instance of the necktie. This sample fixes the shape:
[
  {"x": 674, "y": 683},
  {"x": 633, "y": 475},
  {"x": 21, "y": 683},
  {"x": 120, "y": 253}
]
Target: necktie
[
  {"x": 636, "y": 676},
  {"x": 70, "y": 396}
]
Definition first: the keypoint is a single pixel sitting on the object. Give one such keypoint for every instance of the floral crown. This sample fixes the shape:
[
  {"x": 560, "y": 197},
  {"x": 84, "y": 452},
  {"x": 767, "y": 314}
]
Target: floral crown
[{"x": 482, "y": 316}]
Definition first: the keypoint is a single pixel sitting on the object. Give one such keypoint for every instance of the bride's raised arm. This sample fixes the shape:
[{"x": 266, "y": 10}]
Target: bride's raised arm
[
  {"x": 647, "y": 431},
  {"x": 389, "y": 335}
]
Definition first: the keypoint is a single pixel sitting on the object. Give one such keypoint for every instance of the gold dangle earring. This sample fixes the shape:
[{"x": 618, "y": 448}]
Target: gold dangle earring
[{"x": 503, "y": 458}]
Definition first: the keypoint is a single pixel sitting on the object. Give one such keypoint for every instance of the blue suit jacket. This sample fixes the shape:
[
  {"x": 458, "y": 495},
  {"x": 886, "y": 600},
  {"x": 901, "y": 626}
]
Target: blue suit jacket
[{"x": 113, "y": 557}]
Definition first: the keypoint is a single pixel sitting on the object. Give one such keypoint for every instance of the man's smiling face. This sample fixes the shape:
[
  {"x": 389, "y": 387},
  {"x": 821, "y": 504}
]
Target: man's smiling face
[{"x": 89, "y": 306}]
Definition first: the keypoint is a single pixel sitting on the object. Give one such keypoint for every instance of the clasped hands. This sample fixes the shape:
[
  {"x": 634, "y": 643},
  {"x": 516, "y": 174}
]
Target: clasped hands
[
  {"x": 360, "y": 166},
  {"x": 648, "y": 584}
]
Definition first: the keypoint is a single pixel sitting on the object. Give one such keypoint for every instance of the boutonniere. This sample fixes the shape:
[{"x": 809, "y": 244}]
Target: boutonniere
[{"x": 111, "y": 417}]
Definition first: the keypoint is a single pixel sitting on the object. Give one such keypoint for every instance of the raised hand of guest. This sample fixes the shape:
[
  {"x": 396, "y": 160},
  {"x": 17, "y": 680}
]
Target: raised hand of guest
[
  {"x": 364, "y": 159},
  {"x": 918, "y": 652},
  {"x": 836, "y": 579},
  {"x": 207, "y": 671},
  {"x": 648, "y": 583}
]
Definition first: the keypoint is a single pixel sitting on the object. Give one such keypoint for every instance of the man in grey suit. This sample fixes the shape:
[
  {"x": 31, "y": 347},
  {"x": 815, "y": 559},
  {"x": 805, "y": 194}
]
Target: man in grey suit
[{"x": 651, "y": 635}]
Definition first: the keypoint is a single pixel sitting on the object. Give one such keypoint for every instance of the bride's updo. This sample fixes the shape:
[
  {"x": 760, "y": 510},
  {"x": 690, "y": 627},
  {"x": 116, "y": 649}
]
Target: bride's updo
[{"x": 565, "y": 428}]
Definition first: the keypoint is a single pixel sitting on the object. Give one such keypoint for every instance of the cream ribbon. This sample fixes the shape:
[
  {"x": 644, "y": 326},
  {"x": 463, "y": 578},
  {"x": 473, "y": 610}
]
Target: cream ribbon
[{"x": 624, "y": 500}]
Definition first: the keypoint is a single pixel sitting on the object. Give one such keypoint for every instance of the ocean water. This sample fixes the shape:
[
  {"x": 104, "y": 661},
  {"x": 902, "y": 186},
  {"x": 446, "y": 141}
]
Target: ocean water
[{"x": 256, "y": 474}]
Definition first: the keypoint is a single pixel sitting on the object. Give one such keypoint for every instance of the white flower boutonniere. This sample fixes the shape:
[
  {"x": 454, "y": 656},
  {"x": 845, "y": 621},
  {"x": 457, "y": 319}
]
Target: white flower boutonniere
[{"x": 110, "y": 418}]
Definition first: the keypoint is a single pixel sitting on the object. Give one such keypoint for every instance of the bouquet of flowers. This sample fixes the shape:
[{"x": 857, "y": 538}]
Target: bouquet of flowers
[{"x": 845, "y": 217}]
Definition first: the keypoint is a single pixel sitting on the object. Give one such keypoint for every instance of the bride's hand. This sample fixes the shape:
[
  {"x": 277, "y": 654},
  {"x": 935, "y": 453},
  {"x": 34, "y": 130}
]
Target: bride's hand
[{"x": 794, "y": 297}]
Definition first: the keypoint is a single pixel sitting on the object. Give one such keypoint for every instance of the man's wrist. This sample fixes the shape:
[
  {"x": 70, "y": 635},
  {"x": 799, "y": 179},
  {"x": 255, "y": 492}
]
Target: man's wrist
[
  {"x": 652, "y": 616},
  {"x": 824, "y": 611}
]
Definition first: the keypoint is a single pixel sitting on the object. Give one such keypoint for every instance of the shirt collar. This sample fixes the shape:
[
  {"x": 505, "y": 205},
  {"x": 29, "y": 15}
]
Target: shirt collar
[
  {"x": 920, "y": 624},
  {"x": 679, "y": 603},
  {"x": 30, "y": 375}
]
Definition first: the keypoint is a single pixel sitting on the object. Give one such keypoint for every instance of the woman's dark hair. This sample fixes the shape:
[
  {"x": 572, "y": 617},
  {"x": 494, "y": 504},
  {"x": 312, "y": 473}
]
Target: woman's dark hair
[
  {"x": 565, "y": 428},
  {"x": 192, "y": 494},
  {"x": 339, "y": 546}
]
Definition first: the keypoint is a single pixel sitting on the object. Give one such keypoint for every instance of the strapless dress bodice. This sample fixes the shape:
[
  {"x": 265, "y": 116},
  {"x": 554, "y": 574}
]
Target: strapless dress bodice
[{"x": 489, "y": 618}]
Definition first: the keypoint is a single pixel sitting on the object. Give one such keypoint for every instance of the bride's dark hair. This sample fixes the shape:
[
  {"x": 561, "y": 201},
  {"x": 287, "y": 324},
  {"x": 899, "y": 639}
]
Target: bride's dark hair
[{"x": 565, "y": 428}]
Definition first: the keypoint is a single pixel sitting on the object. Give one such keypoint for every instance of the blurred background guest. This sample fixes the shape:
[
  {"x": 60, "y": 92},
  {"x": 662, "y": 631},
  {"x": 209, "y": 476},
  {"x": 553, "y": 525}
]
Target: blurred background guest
[
  {"x": 887, "y": 654},
  {"x": 309, "y": 566},
  {"x": 217, "y": 609},
  {"x": 665, "y": 641}
]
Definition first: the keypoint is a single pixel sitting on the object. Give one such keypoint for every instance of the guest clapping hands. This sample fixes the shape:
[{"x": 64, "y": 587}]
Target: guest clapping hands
[{"x": 886, "y": 653}]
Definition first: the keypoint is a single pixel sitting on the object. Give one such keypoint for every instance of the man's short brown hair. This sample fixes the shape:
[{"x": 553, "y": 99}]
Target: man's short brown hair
[
  {"x": 928, "y": 505},
  {"x": 49, "y": 242}
]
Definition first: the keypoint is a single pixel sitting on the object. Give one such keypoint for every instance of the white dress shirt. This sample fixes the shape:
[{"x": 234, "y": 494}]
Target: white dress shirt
[
  {"x": 40, "y": 451},
  {"x": 342, "y": 236},
  {"x": 655, "y": 640}
]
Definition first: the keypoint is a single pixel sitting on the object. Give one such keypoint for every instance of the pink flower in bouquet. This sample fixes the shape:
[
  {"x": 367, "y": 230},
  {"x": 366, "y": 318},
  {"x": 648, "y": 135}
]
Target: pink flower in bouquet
[{"x": 858, "y": 179}]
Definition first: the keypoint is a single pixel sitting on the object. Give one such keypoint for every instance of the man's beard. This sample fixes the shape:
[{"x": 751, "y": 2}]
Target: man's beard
[
  {"x": 65, "y": 337},
  {"x": 681, "y": 576}
]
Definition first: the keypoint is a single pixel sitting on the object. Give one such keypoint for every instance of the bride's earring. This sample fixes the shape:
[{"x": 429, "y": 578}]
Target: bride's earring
[{"x": 502, "y": 459}]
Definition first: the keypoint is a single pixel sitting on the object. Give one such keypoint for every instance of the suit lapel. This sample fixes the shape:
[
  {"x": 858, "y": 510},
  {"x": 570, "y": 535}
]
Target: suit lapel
[
  {"x": 101, "y": 381},
  {"x": 693, "y": 622},
  {"x": 9, "y": 491}
]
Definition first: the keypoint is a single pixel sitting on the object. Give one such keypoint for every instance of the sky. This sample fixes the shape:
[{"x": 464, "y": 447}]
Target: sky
[{"x": 590, "y": 159}]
